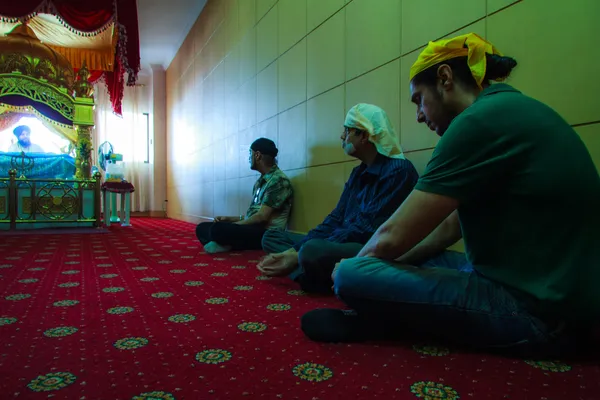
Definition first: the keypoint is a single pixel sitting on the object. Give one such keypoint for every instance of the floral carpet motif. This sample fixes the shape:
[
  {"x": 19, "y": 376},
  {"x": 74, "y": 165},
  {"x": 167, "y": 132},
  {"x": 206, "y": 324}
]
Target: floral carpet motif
[{"x": 143, "y": 313}]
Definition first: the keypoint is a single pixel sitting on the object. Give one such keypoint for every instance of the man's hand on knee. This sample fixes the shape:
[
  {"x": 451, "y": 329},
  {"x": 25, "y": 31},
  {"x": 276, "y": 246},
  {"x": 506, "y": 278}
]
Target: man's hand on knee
[{"x": 226, "y": 219}]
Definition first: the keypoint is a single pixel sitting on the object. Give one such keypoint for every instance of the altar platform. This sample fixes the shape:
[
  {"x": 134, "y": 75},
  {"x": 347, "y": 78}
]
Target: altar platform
[
  {"x": 49, "y": 196},
  {"x": 38, "y": 165}
]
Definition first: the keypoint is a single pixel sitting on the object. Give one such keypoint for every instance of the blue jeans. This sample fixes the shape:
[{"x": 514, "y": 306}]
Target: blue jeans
[{"x": 445, "y": 298}]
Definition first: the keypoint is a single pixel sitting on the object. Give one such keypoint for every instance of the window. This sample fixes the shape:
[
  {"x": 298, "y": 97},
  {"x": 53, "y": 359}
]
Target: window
[{"x": 146, "y": 124}]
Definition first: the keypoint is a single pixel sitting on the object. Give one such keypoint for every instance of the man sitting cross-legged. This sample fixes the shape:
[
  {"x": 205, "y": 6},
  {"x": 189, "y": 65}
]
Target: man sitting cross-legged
[
  {"x": 374, "y": 190},
  {"x": 528, "y": 283},
  {"x": 270, "y": 208}
]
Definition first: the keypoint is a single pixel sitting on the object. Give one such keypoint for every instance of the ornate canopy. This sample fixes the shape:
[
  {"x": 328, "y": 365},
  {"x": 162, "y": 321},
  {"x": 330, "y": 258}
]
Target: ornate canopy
[
  {"x": 35, "y": 79},
  {"x": 45, "y": 48},
  {"x": 101, "y": 33}
]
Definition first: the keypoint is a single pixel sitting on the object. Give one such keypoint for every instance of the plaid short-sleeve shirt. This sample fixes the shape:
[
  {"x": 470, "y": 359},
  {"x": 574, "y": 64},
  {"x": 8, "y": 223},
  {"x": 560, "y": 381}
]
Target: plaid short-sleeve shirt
[{"x": 274, "y": 190}]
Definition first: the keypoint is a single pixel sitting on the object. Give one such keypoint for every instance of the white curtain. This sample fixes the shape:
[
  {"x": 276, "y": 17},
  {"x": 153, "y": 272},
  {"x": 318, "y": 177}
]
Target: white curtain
[{"x": 128, "y": 136}]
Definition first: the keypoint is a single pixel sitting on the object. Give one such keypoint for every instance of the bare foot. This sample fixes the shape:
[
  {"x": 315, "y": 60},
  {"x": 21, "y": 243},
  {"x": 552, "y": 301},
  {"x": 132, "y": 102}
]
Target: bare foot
[{"x": 280, "y": 264}]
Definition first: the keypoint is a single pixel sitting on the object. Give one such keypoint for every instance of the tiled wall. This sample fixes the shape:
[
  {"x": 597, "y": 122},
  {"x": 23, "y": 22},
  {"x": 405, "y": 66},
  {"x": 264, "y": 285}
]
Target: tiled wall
[{"x": 289, "y": 69}]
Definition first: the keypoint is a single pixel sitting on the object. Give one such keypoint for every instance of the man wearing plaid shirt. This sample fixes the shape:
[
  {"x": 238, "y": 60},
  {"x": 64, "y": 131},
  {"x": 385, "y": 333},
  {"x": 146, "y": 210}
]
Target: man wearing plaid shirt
[{"x": 269, "y": 210}]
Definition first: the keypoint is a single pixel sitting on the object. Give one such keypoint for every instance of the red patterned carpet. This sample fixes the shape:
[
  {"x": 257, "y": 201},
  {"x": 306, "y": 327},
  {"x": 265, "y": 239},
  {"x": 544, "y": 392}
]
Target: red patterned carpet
[{"x": 139, "y": 313}]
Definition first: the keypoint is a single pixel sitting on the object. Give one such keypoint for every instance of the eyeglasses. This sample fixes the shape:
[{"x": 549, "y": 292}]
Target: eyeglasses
[{"x": 357, "y": 132}]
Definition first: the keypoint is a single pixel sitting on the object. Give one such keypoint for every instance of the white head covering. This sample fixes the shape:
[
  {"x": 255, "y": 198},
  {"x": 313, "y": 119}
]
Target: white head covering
[{"x": 372, "y": 119}]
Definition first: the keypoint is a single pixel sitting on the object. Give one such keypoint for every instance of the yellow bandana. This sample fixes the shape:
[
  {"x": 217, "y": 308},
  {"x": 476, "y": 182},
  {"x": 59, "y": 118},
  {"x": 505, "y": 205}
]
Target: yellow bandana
[{"x": 470, "y": 45}]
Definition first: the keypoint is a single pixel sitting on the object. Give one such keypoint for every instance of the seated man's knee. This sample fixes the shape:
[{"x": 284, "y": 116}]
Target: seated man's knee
[
  {"x": 221, "y": 232},
  {"x": 202, "y": 230},
  {"x": 217, "y": 227},
  {"x": 270, "y": 241},
  {"x": 351, "y": 274},
  {"x": 312, "y": 252}
]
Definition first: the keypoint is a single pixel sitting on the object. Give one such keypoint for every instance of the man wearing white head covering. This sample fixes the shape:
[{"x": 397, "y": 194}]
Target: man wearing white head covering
[
  {"x": 373, "y": 120},
  {"x": 374, "y": 190}
]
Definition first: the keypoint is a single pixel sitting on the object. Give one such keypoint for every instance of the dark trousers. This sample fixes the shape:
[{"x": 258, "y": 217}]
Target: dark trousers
[
  {"x": 316, "y": 258},
  {"x": 278, "y": 241},
  {"x": 239, "y": 237}
]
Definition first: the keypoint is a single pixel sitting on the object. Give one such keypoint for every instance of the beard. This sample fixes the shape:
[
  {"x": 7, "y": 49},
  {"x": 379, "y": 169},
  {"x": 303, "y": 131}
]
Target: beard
[
  {"x": 25, "y": 143},
  {"x": 443, "y": 127},
  {"x": 444, "y": 116}
]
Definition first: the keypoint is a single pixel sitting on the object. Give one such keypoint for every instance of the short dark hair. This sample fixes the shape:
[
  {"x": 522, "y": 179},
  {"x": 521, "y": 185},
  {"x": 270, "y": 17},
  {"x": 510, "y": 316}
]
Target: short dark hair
[
  {"x": 19, "y": 129},
  {"x": 265, "y": 146},
  {"x": 498, "y": 67}
]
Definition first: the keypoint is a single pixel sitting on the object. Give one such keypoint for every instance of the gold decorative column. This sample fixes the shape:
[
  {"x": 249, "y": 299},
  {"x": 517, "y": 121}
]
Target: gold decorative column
[
  {"x": 83, "y": 156},
  {"x": 84, "y": 121}
]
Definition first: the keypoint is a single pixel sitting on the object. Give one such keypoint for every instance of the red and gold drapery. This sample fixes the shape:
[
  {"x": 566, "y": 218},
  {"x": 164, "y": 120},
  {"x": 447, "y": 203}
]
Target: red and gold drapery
[{"x": 88, "y": 18}]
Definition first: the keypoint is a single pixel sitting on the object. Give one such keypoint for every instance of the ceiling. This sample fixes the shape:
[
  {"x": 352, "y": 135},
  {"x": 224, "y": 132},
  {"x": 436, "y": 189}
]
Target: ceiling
[{"x": 164, "y": 25}]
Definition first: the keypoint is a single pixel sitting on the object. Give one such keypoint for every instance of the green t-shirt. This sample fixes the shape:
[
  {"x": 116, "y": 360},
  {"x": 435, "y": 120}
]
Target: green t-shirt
[{"x": 529, "y": 199}]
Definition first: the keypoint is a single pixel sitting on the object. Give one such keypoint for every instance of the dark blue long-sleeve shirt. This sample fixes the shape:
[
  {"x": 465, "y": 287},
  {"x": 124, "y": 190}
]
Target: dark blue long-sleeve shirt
[{"x": 370, "y": 197}]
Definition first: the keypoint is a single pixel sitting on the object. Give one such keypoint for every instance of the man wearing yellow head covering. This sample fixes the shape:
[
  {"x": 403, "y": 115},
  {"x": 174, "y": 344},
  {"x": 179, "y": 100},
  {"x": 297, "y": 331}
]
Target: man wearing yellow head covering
[
  {"x": 372, "y": 193},
  {"x": 515, "y": 181}
]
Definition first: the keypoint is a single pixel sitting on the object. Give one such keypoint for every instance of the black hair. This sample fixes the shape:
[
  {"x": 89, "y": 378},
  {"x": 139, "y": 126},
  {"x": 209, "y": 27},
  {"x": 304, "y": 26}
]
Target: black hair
[
  {"x": 19, "y": 129},
  {"x": 498, "y": 67},
  {"x": 265, "y": 146}
]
